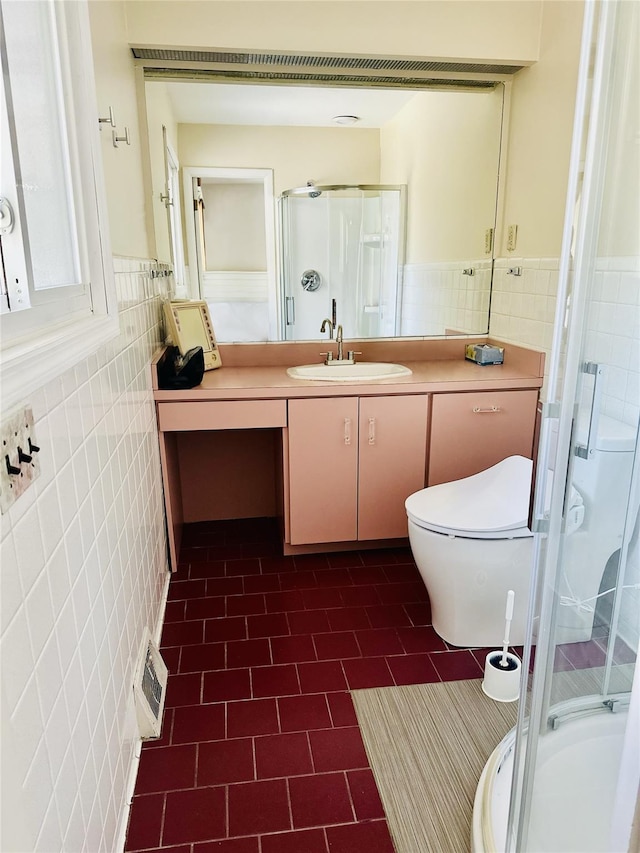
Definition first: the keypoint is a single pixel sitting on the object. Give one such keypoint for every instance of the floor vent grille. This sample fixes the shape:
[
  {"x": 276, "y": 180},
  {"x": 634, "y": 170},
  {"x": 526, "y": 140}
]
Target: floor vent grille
[{"x": 149, "y": 689}]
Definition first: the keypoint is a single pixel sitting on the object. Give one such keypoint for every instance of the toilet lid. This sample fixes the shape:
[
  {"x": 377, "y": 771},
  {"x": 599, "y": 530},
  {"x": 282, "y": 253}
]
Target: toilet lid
[{"x": 491, "y": 504}]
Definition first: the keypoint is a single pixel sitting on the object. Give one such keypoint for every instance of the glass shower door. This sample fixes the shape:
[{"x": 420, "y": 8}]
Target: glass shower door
[
  {"x": 306, "y": 286},
  {"x": 585, "y": 617},
  {"x": 345, "y": 244}
]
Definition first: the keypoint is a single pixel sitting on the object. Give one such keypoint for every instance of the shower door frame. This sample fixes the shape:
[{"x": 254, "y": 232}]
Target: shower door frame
[{"x": 574, "y": 290}]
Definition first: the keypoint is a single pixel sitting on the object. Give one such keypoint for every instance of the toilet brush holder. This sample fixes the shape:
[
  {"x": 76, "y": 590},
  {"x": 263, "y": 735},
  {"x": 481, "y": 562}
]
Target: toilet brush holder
[{"x": 502, "y": 683}]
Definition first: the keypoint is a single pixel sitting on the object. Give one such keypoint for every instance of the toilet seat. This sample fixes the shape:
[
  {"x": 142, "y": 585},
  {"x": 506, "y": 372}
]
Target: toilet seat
[{"x": 493, "y": 504}]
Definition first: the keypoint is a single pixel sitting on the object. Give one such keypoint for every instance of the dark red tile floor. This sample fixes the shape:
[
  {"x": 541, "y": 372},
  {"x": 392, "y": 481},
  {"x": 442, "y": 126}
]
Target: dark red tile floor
[{"x": 260, "y": 749}]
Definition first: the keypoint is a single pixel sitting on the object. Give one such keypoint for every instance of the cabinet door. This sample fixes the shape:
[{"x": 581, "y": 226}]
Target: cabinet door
[
  {"x": 393, "y": 445},
  {"x": 323, "y": 462},
  {"x": 472, "y": 431}
]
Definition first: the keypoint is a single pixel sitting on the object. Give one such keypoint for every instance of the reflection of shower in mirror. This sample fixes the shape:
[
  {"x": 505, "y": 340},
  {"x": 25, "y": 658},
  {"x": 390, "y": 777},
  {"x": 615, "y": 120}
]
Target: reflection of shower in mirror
[{"x": 354, "y": 237}]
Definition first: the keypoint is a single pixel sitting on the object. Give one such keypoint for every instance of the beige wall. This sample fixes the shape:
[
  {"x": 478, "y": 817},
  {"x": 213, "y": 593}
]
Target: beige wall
[
  {"x": 460, "y": 29},
  {"x": 123, "y": 166},
  {"x": 296, "y": 155},
  {"x": 540, "y": 129},
  {"x": 445, "y": 146}
]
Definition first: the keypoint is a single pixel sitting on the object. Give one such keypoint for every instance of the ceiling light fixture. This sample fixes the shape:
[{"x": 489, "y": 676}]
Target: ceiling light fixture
[{"x": 346, "y": 120}]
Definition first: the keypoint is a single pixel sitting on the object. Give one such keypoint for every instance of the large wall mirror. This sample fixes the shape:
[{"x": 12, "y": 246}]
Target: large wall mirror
[{"x": 380, "y": 204}]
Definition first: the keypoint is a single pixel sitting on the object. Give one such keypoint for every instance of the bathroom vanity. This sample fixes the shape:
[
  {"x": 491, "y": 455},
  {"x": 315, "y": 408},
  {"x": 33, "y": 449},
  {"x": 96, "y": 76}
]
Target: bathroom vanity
[{"x": 335, "y": 461}]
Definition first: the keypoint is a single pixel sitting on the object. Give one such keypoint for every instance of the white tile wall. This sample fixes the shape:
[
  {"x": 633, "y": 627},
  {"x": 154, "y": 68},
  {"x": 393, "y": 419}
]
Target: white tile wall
[
  {"x": 436, "y": 297},
  {"x": 83, "y": 571},
  {"x": 613, "y": 335},
  {"x": 523, "y": 311},
  {"x": 523, "y": 306}
]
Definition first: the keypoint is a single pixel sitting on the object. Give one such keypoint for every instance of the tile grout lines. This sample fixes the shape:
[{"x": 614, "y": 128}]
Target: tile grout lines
[{"x": 261, "y": 750}]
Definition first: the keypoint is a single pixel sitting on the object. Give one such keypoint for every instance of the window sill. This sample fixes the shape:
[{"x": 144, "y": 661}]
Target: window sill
[{"x": 27, "y": 366}]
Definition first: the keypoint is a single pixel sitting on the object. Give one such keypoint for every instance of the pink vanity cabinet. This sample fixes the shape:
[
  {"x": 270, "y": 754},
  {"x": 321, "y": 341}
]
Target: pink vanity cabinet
[
  {"x": 472, "y": 430},
  {"x": 351, "y": 464},
  {"x": 335, "y": 462}
]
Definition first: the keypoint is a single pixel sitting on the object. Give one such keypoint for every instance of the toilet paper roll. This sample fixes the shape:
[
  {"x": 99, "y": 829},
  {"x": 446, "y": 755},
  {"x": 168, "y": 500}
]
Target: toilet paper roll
[{"x": 502, "y": 683}]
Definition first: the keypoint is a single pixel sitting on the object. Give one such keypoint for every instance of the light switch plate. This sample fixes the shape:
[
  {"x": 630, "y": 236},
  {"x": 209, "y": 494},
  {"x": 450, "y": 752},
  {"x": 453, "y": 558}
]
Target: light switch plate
[
  {"x": 19, "y": 465},
  {"x": 512, "y": 238},
  {"x": 488, "y": 241}
]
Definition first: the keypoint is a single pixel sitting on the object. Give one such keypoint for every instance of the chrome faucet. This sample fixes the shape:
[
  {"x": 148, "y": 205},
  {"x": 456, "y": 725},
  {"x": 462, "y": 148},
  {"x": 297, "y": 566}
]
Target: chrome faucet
[
  {"x": 351, "y": 354},
  {"x": 339, "y": 342},
  {"x": 339, "y": 359}
]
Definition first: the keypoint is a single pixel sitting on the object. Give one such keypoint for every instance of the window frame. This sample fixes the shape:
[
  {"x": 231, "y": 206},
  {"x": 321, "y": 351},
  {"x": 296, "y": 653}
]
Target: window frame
[{"x": 41, "y": 342}]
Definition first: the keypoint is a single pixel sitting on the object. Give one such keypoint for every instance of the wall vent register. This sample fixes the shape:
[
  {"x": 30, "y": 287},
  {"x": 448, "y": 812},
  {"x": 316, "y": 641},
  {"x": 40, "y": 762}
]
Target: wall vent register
[
  {"x": 354, "y": 70},
  {"x": 150, "y": 687}
]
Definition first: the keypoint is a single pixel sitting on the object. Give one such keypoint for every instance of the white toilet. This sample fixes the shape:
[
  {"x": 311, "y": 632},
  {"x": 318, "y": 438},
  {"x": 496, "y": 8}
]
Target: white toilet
[{"x": 471, "y": 544}]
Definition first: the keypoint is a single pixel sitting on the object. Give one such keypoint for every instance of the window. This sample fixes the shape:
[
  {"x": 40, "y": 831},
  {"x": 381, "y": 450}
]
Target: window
[{"x": 57, "y": 302}]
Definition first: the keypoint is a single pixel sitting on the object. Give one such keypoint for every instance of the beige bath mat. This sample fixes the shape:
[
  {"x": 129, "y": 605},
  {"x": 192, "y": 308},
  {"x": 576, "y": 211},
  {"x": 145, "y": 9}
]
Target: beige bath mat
[{"x": 427, "y": 745}]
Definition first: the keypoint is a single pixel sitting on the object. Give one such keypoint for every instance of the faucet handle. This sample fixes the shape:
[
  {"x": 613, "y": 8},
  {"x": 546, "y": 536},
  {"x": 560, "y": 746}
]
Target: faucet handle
[
  {"x": 351, "y": 354},
  {"x": 329, "y": 356}
]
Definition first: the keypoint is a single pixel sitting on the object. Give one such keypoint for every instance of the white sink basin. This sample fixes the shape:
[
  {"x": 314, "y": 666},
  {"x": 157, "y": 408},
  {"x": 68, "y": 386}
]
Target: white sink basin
[{"x": 360, "y": 371}]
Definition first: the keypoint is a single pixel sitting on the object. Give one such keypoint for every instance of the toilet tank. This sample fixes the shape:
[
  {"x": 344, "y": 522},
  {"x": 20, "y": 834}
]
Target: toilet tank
[{"x": 604, "y": 479}]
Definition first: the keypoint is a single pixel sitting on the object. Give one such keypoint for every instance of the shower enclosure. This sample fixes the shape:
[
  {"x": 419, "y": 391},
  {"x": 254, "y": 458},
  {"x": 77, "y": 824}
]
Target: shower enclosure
[
  {"x": 567, "y": 777},
  {"x": 343, "y": 243}
]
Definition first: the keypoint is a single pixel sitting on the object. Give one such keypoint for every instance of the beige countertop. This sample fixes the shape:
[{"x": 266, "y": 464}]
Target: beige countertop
[{"x": 428, "y": 376}]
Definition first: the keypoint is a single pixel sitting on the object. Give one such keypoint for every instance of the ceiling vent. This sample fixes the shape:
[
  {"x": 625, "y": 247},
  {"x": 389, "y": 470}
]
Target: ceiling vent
[{"x": 326, "y": 70}]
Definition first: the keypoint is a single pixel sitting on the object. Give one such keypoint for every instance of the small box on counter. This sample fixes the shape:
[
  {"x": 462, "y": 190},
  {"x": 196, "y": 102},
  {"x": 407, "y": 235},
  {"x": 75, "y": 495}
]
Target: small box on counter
[{"x": 484, "y": 354}]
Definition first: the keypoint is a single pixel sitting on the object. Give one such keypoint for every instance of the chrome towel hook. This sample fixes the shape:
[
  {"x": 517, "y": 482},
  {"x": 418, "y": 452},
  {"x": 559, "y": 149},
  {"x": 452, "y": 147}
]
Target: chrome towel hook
[
  {"x": 110, "y": 119},
  {"x": 117, "y": 139}
]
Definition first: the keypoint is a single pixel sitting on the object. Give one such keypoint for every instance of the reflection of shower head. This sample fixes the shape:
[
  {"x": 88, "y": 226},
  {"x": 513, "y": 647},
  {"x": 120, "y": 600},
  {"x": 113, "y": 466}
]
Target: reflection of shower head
[
  {"x": 312, "y": 190},
  {"x": 308, "y": 191}
]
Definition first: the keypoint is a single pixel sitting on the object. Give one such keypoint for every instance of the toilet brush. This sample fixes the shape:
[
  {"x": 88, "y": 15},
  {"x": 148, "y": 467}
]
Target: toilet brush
[
  {"x": 502, "y": 669},
  {"x": 507, "y": 627}
]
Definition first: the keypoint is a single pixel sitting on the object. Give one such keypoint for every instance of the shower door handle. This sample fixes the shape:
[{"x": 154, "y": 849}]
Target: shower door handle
[
  {"x": 290, "y": 310},
  {"x": 586, "y": 451}
]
